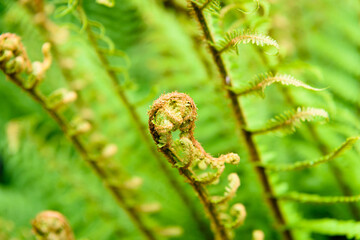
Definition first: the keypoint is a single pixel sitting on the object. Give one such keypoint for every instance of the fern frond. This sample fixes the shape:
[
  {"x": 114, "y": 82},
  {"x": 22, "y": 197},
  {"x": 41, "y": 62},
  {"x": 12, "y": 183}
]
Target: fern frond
[
  {"x": 313, "y": 198},
  {"x": 263, "y": 81},
  {"x": 311, "y": 163},
  {"x": 233, "y": 39},
  {"x": 212, "y": 6},
  {"x": 289, "y": 121},
  {"x": 331, "y": 227}
]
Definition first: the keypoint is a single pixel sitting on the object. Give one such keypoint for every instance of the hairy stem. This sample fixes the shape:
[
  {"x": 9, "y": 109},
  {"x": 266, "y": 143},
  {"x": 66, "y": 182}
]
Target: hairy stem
[
  {"x": 199, "y": 188},
  {"x": 240, "y": 118}
]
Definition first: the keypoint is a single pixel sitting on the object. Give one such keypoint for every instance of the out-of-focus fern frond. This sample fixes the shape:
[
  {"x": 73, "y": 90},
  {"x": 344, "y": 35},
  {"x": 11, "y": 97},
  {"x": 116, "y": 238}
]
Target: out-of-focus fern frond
[
  {"x": 289, "y": 121},
  {"x": 233, "y": 39},
  {"x": 313, "y": 198},
  {"x": 331, "y": 227},
  {"x": 258, "y": 86},
  {"x": 311, "y": 163}
]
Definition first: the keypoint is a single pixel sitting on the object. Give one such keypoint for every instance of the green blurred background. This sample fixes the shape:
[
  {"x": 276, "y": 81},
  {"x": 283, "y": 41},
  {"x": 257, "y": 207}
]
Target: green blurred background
[{"x": 39, "y": 168}]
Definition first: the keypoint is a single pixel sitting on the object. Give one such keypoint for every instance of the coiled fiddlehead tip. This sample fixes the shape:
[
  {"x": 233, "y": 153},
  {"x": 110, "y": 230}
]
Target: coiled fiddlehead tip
[
  {"x": 13, "y": 57},
  {"x": 171, "y": 112},
  {"x": 51, "y": 225}
]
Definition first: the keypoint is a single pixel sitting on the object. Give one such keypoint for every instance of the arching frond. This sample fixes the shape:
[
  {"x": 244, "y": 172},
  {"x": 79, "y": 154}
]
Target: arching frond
[
  {"x": 233, "y": 39},
  {"x": 263, "y": 81},
  {"x": 311, "y": 163},
  {"x": 289, "y": 121}
]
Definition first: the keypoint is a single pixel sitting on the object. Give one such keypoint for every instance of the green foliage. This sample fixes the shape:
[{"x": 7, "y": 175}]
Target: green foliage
[
  {"x": 311, "y": 163},
  {"x": 107, "y": 61},
  {"x": 233, "y": 39},
  {"x": 289, "y": 121},
  {"x": 331, "y": 227}
]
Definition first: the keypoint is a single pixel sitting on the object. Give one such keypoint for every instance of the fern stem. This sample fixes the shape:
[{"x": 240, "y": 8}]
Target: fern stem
[
  {"x": 199, "y": 188},
  {"x": 75, "y": 139},
  {"x": 144, "y": 134},
  {"x": 240, "y": 118},
  {"x": 270, "y": 129}
]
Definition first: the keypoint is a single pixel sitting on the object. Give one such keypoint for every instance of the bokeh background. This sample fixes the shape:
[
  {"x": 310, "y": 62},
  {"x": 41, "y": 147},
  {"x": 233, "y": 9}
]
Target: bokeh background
[{"x": 39, "y": 168}]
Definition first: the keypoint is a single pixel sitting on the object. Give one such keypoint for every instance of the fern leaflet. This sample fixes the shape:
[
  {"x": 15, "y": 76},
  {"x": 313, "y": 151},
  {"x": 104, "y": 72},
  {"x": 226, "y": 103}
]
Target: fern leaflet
[
  {"x": 263, "y": 81},
  {"x": 311, "y": 163},
  {"x": 289, "y": 121},
  {"x": 233, "y": 39},
  {"x": 313, "y": 198}
]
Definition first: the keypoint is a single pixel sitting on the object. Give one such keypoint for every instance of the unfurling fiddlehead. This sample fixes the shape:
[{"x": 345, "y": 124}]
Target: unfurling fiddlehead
[
  {"x": 177, "y": 112},
  {"x": 51, "y": 225},
  {"x": 13, "y": 56}
]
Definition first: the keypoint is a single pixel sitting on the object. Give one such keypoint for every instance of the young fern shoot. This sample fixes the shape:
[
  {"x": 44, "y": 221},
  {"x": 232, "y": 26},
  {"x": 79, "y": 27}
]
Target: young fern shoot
[
  {"x": 176, "y": 112},
  {"x": 51, "y": 225}
]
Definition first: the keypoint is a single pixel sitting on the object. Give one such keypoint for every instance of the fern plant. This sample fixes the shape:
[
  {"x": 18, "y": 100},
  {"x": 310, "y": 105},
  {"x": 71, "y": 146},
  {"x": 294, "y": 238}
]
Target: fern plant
[
  {"x": 177, "y": 112},
  {"x": 232, "y": 40},
  {"x": 96, "y": 66},
  {"x": 16, "y": 62}
]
